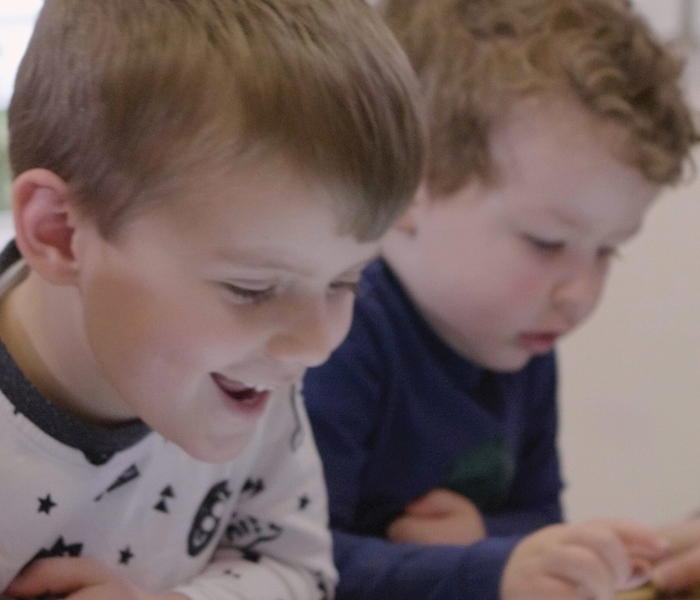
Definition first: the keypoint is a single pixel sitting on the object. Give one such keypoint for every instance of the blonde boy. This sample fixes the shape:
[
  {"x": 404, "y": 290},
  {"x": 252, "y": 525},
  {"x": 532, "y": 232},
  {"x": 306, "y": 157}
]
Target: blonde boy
[
  {"x": 552, "y": 126},
  {"x": 198, "y": 185}
]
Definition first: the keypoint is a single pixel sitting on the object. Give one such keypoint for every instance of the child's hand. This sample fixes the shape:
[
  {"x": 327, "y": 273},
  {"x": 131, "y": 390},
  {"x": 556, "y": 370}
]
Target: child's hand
[
  {"x": 439, "y": 517},
  {"x": 681, "y": 569},
  {"x": 581, "y": 562},
  {"x": 77, "y": 579}
]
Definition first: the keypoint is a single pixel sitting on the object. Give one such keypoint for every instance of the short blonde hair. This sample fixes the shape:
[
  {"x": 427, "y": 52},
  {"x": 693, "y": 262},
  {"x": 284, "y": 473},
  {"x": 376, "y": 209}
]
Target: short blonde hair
[
  {"x": 475, "y": 58},
  {"x": 122, "y": 98}
]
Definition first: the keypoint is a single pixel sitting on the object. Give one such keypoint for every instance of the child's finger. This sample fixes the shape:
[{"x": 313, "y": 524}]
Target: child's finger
[
  {"x": 432, "y": 531},
  {"x": 439, "y": 502},
  {"x": 57, "y": 576},
  {"x": 679, "y": 572},
  {"x": 584, "y": 568},
  {"x": 550, "y": 588},
  {"x": 682, "y": 536},
  {"x": 409, "y": 529},
  {"x": 641, "y": 571},
  {"x": 602, "y": 541},
  {"x": 640, "y": 540}
]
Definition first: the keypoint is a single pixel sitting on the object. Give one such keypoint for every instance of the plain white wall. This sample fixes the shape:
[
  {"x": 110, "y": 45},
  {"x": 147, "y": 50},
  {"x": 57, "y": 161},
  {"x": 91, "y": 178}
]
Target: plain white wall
[
  {"x": 630, "y": 378},
  {"x": 664, "y": 15}
]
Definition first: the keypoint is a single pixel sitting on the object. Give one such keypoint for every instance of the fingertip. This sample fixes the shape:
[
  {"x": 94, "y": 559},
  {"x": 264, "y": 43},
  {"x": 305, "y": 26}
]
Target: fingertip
[
  {"x": 658, "y": 578},
  {"x": 668, "y": 579},
  {"x": 16, "y": 585},
  {"x": 414, "y": 507},
  {"x": 663, "y": 545}
]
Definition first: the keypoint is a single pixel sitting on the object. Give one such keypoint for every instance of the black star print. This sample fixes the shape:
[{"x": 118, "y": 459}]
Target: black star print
[
  {"x": 46, "y": 504},
  {"x": 126, "y": 556},
  {"x": 60, "y": 548},
  {"x": 162, "y": 506},
  {"x": 304, "y": 501},
  {"x": 253, "y": 487},
  {"x": 251, "y": 556},
  {"x": 127, "y": 476}
]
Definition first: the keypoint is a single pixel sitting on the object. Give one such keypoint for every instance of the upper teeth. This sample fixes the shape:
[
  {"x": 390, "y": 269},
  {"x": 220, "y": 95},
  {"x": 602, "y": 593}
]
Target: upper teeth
[{"x": 259, "y": 388}]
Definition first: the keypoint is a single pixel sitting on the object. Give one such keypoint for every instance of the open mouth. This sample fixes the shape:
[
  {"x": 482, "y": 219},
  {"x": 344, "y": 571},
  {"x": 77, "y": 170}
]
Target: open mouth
[
  {"x": 539, "y": 343},
  {"x": 249, "y": 397}
]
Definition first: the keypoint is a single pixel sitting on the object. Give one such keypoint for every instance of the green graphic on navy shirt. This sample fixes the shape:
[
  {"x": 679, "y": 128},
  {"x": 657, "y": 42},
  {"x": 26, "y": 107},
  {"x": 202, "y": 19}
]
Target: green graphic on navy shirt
[{"x": 484, "y": 475}]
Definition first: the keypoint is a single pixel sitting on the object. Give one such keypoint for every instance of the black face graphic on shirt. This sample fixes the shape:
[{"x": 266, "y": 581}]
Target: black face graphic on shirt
[
  {"x": 208, "y": 517},
  {"x": 245, "y": 532}
]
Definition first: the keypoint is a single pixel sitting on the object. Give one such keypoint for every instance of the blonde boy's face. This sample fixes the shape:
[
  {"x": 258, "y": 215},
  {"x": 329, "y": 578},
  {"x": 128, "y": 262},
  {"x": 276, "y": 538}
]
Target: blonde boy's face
[
  {"x": 197, "y": 311},
  {"x": 502, "y": 272}
]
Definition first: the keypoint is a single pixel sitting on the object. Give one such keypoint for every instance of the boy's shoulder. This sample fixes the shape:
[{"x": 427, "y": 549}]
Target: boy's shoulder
[{"x": 384, "y": 313}]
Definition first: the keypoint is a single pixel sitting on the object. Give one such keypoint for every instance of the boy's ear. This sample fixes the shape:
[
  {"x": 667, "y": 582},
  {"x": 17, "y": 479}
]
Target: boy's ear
[
  {"x": 44, "y": 219},
  {"x": 408, "y": 223}
]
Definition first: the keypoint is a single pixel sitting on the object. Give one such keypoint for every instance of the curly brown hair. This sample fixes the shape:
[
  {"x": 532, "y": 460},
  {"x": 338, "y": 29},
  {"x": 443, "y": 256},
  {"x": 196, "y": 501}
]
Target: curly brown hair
[{"x": 476, "y": 57}]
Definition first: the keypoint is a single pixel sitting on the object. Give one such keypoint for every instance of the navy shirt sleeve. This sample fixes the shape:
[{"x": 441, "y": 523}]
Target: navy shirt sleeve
[{"x": 375, "y": 569}]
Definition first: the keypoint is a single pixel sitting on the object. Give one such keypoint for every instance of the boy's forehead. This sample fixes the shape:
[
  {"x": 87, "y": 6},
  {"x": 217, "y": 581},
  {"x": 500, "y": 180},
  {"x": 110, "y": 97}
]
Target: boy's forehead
[
  {"x": 255, "y": 187},
  {"x": 266, "y": 215},
  {"x": 556, "y": 163},
  {"x": 545, "y": 127}
]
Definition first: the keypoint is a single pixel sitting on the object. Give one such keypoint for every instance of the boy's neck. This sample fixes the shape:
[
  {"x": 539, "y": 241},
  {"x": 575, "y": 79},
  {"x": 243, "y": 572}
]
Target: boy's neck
[{"x": 38, "y": 325}]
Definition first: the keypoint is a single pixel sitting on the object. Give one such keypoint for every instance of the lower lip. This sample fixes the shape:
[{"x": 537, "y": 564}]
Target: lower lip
[
  {"x": 538, "y": 344},
  {"x": 252, "y": 406}
]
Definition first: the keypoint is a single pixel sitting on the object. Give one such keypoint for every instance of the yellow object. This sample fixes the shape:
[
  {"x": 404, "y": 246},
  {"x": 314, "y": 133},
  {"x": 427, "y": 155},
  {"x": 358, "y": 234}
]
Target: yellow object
[{"x": 647, "y": 592}]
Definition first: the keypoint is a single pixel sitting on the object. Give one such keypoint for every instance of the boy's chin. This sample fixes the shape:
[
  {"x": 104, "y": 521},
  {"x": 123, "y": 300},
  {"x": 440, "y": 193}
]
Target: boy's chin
[
  {"x": 216, "y": 451},
  {"x": 505, "y": 362}
]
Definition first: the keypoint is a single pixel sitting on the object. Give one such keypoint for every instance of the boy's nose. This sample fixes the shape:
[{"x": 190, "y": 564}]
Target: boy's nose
[
  {"x": 311, "y": 334},
  {"x": 577, "y": 295}
]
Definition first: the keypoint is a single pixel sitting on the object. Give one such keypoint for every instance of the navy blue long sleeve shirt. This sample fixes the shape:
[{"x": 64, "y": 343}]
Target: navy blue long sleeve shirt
[{"x": 397, "y": 413}]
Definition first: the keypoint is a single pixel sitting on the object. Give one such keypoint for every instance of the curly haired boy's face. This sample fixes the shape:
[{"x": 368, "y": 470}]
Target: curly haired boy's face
[
  {"x": 501, "y": 272},
  {"x": 197, "y": 310}
]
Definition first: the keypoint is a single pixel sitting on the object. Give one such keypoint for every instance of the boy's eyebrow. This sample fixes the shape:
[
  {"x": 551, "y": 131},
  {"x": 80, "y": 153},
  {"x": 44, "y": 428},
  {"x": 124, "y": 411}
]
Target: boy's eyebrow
[
  {"x": 259, "y": 259},
  {"x": 284, "y": 262},
  {"x": 579, "y": 224}
]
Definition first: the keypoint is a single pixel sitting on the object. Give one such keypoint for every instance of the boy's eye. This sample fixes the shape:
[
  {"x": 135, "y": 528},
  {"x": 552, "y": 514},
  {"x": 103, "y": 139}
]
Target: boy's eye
[
  {"x": 348, "y": 286},
  {"x": 244, "y": 295},
  {"x": 550, "y": 246},
  {"x": 608, "y": 252}
]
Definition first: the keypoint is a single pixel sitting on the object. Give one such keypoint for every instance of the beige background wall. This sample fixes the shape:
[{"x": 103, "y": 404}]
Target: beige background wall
[{"x": 630, "y": 378}]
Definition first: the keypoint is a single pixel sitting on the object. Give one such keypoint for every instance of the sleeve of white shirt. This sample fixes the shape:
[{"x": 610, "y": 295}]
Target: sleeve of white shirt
[{"x": 277, "y": 545}]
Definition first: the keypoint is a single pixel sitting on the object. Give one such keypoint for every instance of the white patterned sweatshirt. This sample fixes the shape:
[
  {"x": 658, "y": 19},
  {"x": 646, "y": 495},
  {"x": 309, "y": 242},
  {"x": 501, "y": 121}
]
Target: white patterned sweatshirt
[{"x": 254, "y": 528}]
